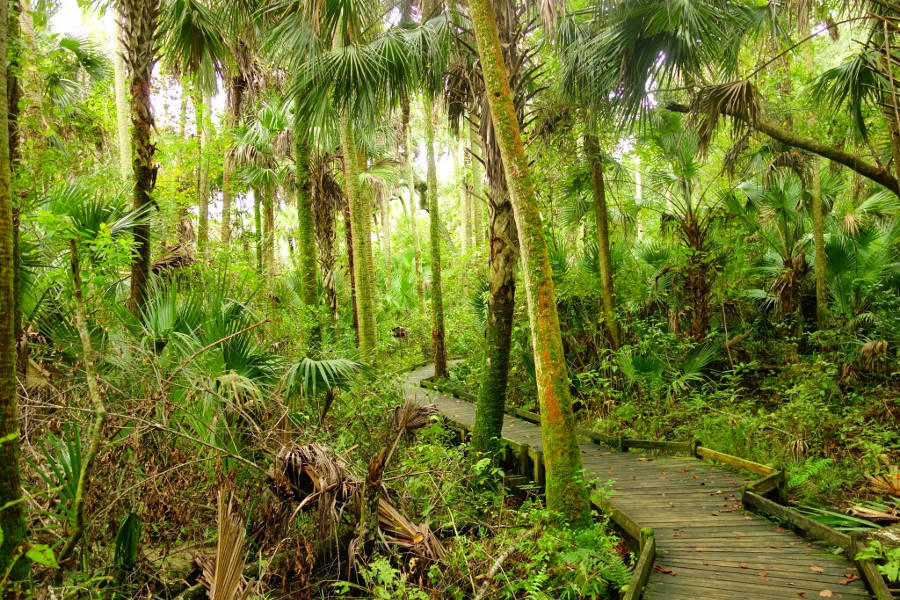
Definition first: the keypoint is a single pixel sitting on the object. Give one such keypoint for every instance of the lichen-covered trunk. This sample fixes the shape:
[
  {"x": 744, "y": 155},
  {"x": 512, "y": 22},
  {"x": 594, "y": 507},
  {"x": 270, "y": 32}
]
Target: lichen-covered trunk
[
  {"x": 234, "y": 103},
  {"x": 818, "y": 211},
  {"x": 139, "y": 26},
  {"x": 124, "y": 139},
  {"x": 566, "y": 489},
  {"x": 413, "y": 210},
  {"x": 601, "y": 216},
  {"x": 306, "y": 228},
  {"x": 697, "y": 278},
  {"x": 437, "y": 296},
  {"x": 360, "y": 225},
  {"x": 12, "y": 520}
]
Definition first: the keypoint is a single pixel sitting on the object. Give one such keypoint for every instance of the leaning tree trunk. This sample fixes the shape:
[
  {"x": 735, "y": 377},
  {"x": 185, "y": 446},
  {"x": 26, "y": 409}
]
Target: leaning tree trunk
[
  {"x": 465, "y": 195},
  {"x": 360, "y": 224},
  {"x": 413, "y": 211},
  {"x": 121, "y": 101},
  {"x": 601, "y": 215},
  {"x": 566, "y": 489},
  {"x": 233, "y": 104},
  {"x": 306, "y": 227},
  {"x": 12, "y": 520},
  {"x": 139, "y": 23},
  {"x": 437, "y": 296}
]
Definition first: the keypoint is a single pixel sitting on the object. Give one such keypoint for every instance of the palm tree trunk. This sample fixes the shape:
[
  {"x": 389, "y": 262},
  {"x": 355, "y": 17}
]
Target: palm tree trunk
[
  {"x": 32, "y": 83},
  {"x": 477, "y": 225},
  {"x": 233, "y": 105},
  {"x": 139, "y": 21},
  {"x": 437, "y": 296},
  {"x": 351, "y": 268},
  {"x": 383, "y": 205},
  {"x": 121, "y": 101},
  {"x": 498, "y": 320},
  {"x": 465, "y": 194},
  {"x": 306, "y": 227},
  {"x": 268, "y": 215},
  {"x": 565, "y": 487},
  {"x": 601, "y": 216},
  {"x": 257, "y": 224},
  {"x": 819, "y": 242},
  {"x": 12, "y": 520},
  {"x": 413, "y": 210},
  {"x": 201, "y": 110},
  {"x": 360, "y": 224}
]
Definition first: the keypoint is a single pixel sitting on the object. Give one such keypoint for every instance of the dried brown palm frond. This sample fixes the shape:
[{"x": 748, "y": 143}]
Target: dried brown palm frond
[
  {"x": 886, "y": 484},
  {"x": 733, "y": 154},
  {"x": 737, "y": 100},
  {"x": 411, "y": 415},
  {"x": 225, "y": 578},
  {"x": 327, "y": 201},
  {"x": 786, "y": 287},
  {"x": 400, "y": 531},
  {"x": 794, "y": 160},
  {"x": 850, "y": 224},
  {"x": 312, "y": 472}
]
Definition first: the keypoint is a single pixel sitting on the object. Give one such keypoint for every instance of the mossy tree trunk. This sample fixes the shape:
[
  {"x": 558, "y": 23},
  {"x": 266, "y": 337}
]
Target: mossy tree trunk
[
  {"x": 566, "y": 489},
  {"x": 437, "y": 296},
  {"x": 140, "y": 24},
  {"x": 601, "y": 216},
  {"x": 360, "y": 224},
  {"x": 465, "y": 194},
  {"x": 351, "y": 269},
  {"x": 12, "y": 520},
  {"x": 257, "y": 226},
  {"x": 384, "y": 209},
  {"x": 268, "y": 233},
  {"x": 413, "y": 207}
]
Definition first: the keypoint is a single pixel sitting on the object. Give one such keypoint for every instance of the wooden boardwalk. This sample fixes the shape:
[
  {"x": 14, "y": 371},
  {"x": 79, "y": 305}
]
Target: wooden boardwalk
[{"x": 708, "y": 546}]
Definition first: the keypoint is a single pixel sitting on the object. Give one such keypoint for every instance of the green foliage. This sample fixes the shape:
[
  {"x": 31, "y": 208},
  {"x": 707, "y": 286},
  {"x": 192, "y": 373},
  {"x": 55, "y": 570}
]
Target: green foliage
[{"x": 888, "y": 557}]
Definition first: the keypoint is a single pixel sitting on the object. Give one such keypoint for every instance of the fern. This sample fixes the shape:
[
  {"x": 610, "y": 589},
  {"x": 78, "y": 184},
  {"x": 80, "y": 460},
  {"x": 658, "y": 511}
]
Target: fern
[{"x": 812, "y": 468}]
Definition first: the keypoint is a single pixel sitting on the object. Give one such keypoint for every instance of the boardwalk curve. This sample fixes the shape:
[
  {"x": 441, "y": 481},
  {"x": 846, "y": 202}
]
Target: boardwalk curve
[{"x": 707, "y": 545}]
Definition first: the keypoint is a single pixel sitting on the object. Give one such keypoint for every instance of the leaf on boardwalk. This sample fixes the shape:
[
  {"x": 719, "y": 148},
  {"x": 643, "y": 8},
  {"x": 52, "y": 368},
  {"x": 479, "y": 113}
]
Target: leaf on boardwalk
[
  {"x": 826, "y": 594},
  {"x": 816, "y": 569},
  {"x": 848, "y": 577},
  {"x": 738, "y": 533},
  {"x": 663, "y": 570},
  {"x": 744, "y": 565}
]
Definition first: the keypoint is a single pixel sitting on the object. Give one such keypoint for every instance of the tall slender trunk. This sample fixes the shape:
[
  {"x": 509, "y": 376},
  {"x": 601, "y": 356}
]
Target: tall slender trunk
[
  {"x": 121, "y": 101},
  {"x": 12, "y": 520},
  {"x": 601, "y": 216},
  {"x": 465, "y": 195},
  {"x": 360, "y": 224},
  {"x": 34, "y": 122},
  {"x": 413, "y": 206},
  {"x": 306, "y": 227},
  {"x": 139, "y": 22},
  {"x": 201, "y": 110},
  {"x": 437, "y": 296},
  {"x": 234, "y": 103},
  {"x": 566, "y": 489},
  {"x": 268, "y": 215},
  {"x": 383, "y": 205},
  {"x": 257, "y": 225},
  {"x": 818, "y": 211},
  {"x": 477, "y": 201},
  {"x": 351, "y": 268}
]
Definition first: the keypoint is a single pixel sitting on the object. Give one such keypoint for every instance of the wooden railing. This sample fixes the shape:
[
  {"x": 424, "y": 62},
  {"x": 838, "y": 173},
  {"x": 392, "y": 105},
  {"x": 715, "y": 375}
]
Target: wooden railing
[{"x": 754, "y": 495}]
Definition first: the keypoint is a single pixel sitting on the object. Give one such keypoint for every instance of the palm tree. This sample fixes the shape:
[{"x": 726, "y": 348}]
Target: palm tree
[
  {"x": 566, "y": 490},
  {"x": 12, "y": 521},
  {"x": 413, "y": 205},
  {"x": 437, "y": 294},
  {"x": 140, "y": 19},
  {"x": 193, "y": 46}
]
